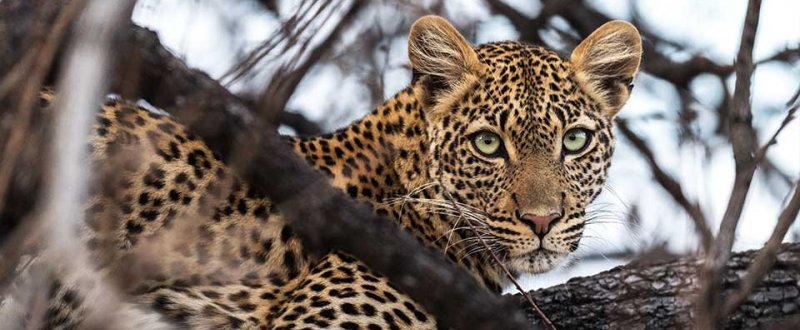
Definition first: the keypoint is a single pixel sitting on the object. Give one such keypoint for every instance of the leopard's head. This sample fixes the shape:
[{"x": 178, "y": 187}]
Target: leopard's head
[{"x": 520, "y": 137}]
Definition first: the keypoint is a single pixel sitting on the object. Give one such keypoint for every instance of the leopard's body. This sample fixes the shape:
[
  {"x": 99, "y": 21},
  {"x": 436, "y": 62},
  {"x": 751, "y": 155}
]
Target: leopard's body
[{"x": 184, "y": 235}]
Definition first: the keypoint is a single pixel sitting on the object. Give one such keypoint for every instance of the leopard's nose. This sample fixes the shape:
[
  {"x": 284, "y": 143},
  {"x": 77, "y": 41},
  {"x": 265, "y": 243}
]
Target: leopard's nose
[{"x": 540, "y": 223}]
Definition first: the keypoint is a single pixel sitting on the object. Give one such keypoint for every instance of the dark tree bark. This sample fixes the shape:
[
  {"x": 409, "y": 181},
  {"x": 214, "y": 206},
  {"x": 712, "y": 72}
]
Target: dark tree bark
[{"x": 660, "y": 296}]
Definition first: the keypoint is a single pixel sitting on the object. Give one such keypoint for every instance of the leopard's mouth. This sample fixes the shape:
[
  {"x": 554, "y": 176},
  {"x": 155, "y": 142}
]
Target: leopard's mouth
[{"x": 538, "y": 261}]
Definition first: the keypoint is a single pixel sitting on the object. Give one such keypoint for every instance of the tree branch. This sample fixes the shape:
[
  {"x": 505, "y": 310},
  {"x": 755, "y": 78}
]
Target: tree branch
[
  {"x": 43, "y": 54},
  {"x": 661, "y": 296},
  {"x": 742, "y": 137}
]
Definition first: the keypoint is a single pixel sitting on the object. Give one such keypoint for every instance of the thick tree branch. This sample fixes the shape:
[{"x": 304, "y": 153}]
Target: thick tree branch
[{"x": 661, "y": 296}]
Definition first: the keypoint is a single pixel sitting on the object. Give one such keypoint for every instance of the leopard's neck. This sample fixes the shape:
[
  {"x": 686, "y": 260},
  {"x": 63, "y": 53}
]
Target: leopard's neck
[{"x": 381, "y": 159}]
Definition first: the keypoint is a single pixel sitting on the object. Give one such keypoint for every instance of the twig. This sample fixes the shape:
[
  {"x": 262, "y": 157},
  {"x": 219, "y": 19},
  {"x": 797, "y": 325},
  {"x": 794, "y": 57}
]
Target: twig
[
  {"x": 762, "y": 152},
  {"x": 277, "y": 94},
  {"x": 528, "y": 27},
  {"x": 497, "y": 261},
  {"x": 670, "y": 185},
  {"x": 287, "y": 36},
  {"x": 741, "y": 131},
  {"x": 742, "y": 138},
  {"x": 786, "y": 55},
  {"x": 793, "y": 101}
]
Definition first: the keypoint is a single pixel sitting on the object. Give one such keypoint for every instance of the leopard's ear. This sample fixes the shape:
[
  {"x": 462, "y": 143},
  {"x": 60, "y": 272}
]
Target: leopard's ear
[
  {"x": 435, "y": 48},
  {"x": 606, "y": 61}
]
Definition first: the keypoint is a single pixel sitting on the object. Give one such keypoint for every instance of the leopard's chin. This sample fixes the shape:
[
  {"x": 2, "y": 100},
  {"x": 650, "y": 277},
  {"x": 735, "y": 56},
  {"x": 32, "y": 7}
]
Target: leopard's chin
[{"x": 536, "y": 262}]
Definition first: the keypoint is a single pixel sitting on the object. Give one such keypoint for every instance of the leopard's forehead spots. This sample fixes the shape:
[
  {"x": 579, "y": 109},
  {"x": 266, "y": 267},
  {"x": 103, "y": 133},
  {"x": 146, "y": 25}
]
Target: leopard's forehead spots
[{"x": 528, "y": 88}]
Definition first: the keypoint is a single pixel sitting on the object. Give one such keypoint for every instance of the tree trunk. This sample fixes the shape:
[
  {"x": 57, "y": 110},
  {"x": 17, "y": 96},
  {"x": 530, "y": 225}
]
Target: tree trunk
[{"x": 660, "y": 296}]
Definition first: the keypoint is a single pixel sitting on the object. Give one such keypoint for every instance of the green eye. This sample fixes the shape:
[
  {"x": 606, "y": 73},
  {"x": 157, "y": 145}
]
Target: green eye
[
  {"x": 487, "y": 143},
  {"x": 575, "y": 140}
]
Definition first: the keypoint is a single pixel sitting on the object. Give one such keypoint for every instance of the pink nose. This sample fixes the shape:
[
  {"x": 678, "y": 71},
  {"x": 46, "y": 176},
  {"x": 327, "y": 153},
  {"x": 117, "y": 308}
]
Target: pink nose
[{"x": 541, "y": 224}]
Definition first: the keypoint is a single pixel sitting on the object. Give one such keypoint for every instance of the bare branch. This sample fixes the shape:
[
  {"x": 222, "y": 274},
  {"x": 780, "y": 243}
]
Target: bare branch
[
  {"x": 527, "y": 27},
  {"x": 762, "y": 152},
  {"x": 585, "y": 19},
  {"x": 788, "y": 54},
  {"x": 742, "y": 135},
  {"x": 742, "y": 138},
  {"x": 286, "y": 36},
  {"x": 276, "y": 95}
]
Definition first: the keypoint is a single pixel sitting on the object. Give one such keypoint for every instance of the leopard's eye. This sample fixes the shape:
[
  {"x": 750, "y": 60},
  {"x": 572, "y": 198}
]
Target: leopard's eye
[
  {"x": 487, "y": 143},
  {"x": 575, "y": 140}
]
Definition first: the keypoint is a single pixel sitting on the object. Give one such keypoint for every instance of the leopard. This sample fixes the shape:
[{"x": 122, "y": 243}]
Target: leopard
[{"x": 494, "y": 149}]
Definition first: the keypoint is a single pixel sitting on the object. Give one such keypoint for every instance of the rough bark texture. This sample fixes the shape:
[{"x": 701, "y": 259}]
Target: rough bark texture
[{"x": 660, "y": 296}]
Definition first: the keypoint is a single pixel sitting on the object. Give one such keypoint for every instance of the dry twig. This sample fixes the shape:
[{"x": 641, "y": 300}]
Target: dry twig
[
  {"x": 278, "y": 92},
  {"x": 742, "y": 137}
]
